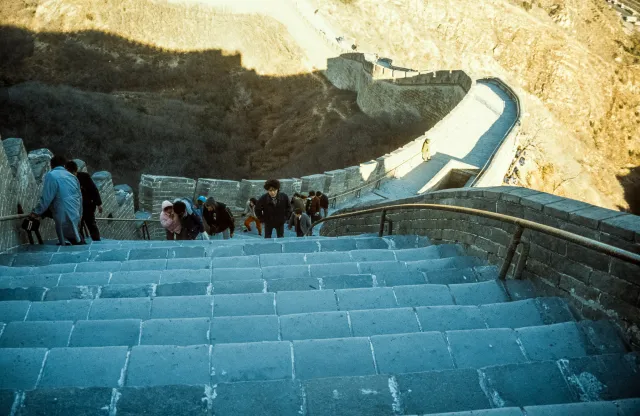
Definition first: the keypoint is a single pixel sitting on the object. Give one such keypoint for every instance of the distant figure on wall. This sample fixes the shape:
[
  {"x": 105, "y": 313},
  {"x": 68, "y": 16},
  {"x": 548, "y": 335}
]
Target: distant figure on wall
[
  {"x": 298, "y": 201},
  {"x": 273, "y": 209},
  {"x": 301, "y": 221},
  {"x": 218, "y": 218},
  {"x": 314, "y": 206},
  {"x": 170, "y": 220},
  {"x": 250, "y": 213},
  {"x": 90, "y": 201},
  {"x": 62, "y": 198},
  {"x": 190, "y": 222},
  {"x": 324, "y": 203}
]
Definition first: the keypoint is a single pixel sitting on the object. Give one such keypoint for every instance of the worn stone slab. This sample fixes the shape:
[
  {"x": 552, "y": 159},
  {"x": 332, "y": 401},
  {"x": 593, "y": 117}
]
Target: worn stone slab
[
  {"x": 127, "y": 291},
  {"x": 440, "y": 391},
  {"x": 383, "y": 321},
  {"x": 415, "y": 254},
  {"x": 39, "y": 280},
  {"x": 374, "y": 298},
  {"x": 516, "y": 314},
  {"x": 186, "y": 252},
  {"x": 162, "y": 401},
  {"x": 347, "y": 281},
  {"x": 603, "y": 337},
  {"x": 281, "y": 259},
  {"x": 189, "y": 264},
  {"x": 182, "y": 307},
  {"x": 180, "y": 276},
  {"x": 177, "y": 331},
  {"x": 333, "y": 358},
  {"x": 244, "y": 304},
  {"x": 400, "y": 242},
  {"x": 228, "y": 251},
  {"x": 316, "y": 325},
  {"x": 423, "y": 295},
  {"x": 148, "y": 254},
  {"x": 321, "y": 270},
  {"x": 300, "y": 247},
  {"x": 574, "y": 409},
  {"x": 60, "y": 310},
  {"x": 375, "y": 267},
  {"x": 22, "y": 293},
  {"x": 102, "y": 266},
  {"x": 7, "y": 397},
  {"x": 31, "y": 260},
  {"x": 230, "y": 287},
  {"x": 329, "y": 257},
  {"x": 552, "y": 342},
  {"x": 14, "y": 310},
  {"x": 268, "y": 398},
  {"x": 132, "y": 308},
  {"x": 460, "y": 262},
  {"x": 554, "y": 310},
  {"x": 182, "y": 289},
  {"x": 478, "y": 293},
  {"x": 60, "y": 258},
  {"x": 373, "y": 255},
  {"x": 252, "y": 273},
  {"x": 305, "y": 301},
  {"x": 520, "y": 289},
  {"x": 84, "y": 279},
  {"x": 262, "y": 248},
  {"x": 285, "y": 272},
  {"x": 452, "y": 276},
  {"x": 345, "y": 244},
  {"x": 478, "y": 348},
  {"x": 235, "y": 329},
  {"x": 445, "y": 318},
  {"x": 47, "y": 334},
  {"x": 109, "y": 255},
  {"x": 411, "y": 353},
  {"x": 125, "y": 332},
  {"x": 526, "y": 384},
  {"x": 138, "y": 265},
  {"x": 371, "y": 243},
  {"x": 20, "y": 367},
  {"x": 138, "y": 277},
  {"x": 251, "y": 361},
  {"x": 163, "y": 365},
  {"x": 625, "y": 226},
  {"x": 71, "y": 292},
  {"x": 402, "y": 278},
  {"x": 236, "y": 261},
  {"x": 297, "y": 284},
  {"x": 84, "y": 367},
  {"x": 353, "y": 396}
]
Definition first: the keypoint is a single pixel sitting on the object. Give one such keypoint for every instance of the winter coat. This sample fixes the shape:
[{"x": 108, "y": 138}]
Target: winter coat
[
  {"x": 273, "y": 214},
  {"x": 305, "y": 222},
  {"x": 219, "y": 219},
  {"x": 90, "y": 194},
  {"x": 314, "y": 208},
  {"x": 61, "y": 194},
  {"x": 168, "y": 221},
  {"x": 324, "y": 201},
  {"x": 191, "y": 222},
  {"x": 250, "y": 210}
]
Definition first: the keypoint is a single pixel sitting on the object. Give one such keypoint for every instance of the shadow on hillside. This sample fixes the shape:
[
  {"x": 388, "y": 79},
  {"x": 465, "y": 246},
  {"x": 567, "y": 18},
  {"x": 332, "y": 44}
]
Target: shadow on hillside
[
  {"x": 132, "y": 108},
  {"x": 631, "y": 185}
]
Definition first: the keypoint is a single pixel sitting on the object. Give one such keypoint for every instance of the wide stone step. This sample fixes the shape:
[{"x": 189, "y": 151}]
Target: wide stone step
[{"x": 477, "y": 386}]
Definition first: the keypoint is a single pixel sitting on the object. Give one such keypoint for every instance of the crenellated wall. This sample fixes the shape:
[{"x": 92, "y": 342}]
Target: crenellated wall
[
  {"x": 597, "y": 285},
  {"x": 21, "y": 175}
]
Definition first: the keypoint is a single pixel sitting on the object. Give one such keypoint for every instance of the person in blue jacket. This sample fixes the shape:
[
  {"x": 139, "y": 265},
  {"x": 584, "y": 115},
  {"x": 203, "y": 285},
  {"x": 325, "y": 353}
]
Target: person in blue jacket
[{"x": 61, "y": 196}]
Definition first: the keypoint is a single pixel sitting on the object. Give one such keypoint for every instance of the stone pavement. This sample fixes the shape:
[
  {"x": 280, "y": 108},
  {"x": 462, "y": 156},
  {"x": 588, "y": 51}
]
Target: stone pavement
[{"x": 315, "y": 326}]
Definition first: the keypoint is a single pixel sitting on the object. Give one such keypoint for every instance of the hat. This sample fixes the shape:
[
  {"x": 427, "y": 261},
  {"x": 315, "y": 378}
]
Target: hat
[{"x": 202, "y": 199}]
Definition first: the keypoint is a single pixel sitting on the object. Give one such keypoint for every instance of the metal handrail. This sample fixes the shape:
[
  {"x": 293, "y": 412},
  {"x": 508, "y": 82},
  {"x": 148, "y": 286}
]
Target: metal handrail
[{"x": 521, "y": 225}]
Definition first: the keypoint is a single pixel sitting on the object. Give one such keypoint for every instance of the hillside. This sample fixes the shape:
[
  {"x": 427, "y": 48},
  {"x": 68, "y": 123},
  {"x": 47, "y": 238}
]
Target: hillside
[
  {"x": 161, "y": 88},
  {"x": 576, "y": 70}
]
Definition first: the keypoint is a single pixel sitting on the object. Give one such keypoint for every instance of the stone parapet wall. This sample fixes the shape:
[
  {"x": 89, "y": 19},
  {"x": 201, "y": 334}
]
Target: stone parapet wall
[
  {"x": 21, "y": 175},
  {"x": 597, "y": 285}
]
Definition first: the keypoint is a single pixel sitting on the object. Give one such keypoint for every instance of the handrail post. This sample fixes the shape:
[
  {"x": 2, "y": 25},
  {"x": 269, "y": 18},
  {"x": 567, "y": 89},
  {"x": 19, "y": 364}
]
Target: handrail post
[
  {"x": 513, "y": 245},
  {"x": 390, "y": 227},
  {"x": 383, "y": 217}
]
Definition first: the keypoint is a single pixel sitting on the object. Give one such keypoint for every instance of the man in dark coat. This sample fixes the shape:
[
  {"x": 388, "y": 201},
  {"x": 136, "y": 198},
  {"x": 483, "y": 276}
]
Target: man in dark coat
[
  {"x": 90, "y": 201},
  {"x": 189, "y": 219},
  {"x": 218, "y": 219},
  {"x": 273, "y": 209},
  {"x": 324, "y": 203}
]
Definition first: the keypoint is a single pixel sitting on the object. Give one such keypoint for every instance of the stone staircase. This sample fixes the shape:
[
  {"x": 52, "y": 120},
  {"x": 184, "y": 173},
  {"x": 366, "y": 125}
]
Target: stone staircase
[{"x": 314, "y": 326}]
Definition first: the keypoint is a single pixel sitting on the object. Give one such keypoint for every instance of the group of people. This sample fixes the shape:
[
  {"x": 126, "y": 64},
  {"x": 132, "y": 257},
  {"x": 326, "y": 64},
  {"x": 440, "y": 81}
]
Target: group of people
[
  {"x": 71, "y": 198},
  {"x": 186, "y": 220}
]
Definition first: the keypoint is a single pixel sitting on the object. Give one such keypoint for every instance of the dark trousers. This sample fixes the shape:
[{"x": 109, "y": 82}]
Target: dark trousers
[
  {"x": 268, "y": 230},
  {"x": 89, "y": 220}
]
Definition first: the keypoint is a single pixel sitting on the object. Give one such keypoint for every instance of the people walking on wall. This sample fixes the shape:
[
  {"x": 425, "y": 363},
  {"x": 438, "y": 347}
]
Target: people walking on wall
[
  {"x": 170, "y": 221},
  {"x": 218, "y": 218},
  {"x": 314, "y": 207},
  {"x": 324, "y": 203},
  {"x": 298, "y": 201},
  {"x": 61, "y": 196},
  {"x": 200, "y": 205},
  {"x": 301, "y": 221},
  {"x": 307, "y": 205},
  {"x": 250, "y": 213},
  {"x": 90, "y": 201},
  {"x": 190, "y": 221},
  {"x": 273, "y": 209}
]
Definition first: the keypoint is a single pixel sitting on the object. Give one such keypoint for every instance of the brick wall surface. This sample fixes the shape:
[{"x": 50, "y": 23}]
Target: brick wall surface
[{"x": 597, "y": 285}]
